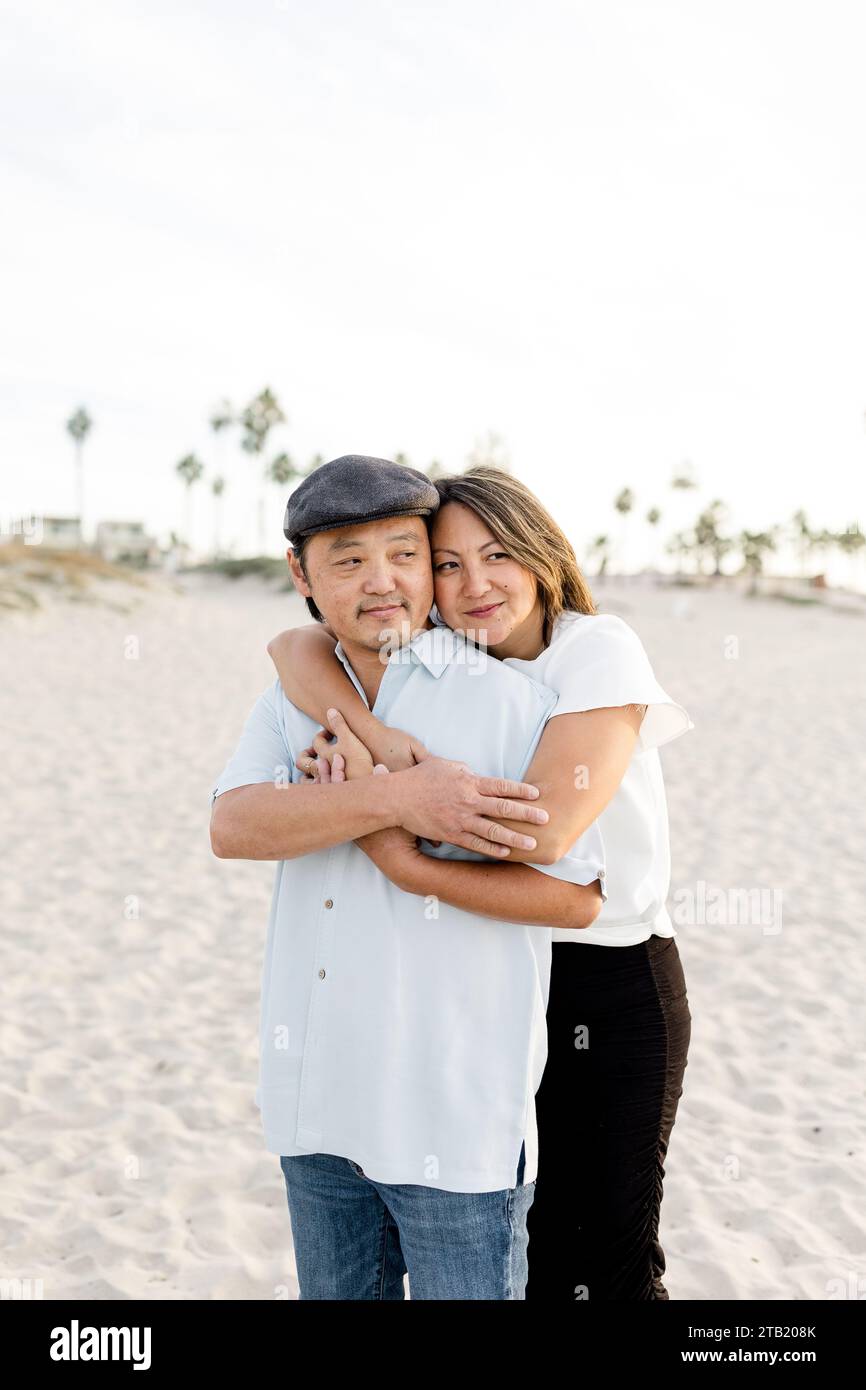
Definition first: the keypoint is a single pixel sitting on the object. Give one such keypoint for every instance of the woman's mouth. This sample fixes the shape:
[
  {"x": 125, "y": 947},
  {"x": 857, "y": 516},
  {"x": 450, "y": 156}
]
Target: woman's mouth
[{"x": 484, "y": 612}]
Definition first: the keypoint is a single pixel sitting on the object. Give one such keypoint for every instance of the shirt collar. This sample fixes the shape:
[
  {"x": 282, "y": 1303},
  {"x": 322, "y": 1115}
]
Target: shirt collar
[{"x": 435, "y": 648}]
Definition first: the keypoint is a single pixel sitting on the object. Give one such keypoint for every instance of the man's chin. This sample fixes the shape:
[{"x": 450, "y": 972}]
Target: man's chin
[{"x": 391, "y": 633}]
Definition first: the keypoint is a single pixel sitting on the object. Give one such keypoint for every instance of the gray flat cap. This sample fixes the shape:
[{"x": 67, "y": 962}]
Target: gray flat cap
[{"x": 354, "y": 489}]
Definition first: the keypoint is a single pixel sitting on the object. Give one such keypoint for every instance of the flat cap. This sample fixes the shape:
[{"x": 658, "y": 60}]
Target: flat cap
[{"x": 353, "y": 489}]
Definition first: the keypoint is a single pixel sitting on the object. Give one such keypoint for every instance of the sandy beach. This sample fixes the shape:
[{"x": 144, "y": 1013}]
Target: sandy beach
[{"x": 131, "y": 1158}]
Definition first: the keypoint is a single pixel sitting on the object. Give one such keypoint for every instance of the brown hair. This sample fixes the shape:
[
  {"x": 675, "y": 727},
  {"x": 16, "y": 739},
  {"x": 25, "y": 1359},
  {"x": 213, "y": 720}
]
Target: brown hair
[{"x": 529, "y": 533}]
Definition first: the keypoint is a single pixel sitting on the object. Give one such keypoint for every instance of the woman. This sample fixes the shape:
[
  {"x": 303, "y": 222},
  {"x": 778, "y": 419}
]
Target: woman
[{"x": 618, "y": 1016}]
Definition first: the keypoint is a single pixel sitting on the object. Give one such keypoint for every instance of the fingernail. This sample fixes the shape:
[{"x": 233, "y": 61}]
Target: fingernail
[{"x": 331, "y": 712}]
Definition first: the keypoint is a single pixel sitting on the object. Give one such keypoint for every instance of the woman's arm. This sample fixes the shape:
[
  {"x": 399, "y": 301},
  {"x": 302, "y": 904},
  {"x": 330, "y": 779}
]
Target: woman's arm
[
  {"x": 315, "y": 680},
  {"x": 578, "y": 766},
  {"x": 519, "y": 894}
]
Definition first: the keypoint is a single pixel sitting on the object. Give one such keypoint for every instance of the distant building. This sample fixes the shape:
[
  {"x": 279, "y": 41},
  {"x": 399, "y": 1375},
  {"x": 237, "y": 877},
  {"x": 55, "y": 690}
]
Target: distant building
[
  {"x": 64, "y": 532},
  {"x": 126, "y": 541}
]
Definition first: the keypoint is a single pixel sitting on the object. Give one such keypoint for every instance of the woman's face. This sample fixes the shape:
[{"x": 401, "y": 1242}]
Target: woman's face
[{"x": 479, "y": 589}]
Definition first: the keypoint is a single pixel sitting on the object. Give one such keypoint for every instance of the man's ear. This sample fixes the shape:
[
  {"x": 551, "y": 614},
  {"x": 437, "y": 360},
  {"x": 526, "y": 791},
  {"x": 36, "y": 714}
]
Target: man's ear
[{"x": 297, "y": 574}]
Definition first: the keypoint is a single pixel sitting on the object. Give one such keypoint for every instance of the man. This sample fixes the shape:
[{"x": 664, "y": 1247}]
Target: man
[{"x": 403, "y": 1027}]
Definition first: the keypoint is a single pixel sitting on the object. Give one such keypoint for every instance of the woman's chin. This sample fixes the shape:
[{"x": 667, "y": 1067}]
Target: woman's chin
[{"x": 487, "y": 632}]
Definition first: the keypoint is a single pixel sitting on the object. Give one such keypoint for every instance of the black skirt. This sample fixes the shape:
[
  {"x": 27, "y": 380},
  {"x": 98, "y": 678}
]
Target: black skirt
[{"x": 618, "y": 1036}]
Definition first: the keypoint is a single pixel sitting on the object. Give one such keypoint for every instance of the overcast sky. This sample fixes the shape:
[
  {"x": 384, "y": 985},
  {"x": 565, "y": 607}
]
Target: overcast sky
[{"x": 620, "y": 234}]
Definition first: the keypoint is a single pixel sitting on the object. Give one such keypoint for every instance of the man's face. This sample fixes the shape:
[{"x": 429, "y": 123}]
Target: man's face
[{"x": 372, "y": 583}]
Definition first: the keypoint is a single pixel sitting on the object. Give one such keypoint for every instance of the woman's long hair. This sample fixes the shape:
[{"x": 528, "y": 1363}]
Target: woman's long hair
[{"x": 529, "y": 534}]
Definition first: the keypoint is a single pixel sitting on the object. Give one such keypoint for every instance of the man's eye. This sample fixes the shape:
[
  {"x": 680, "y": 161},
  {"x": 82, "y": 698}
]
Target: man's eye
[
  {"x": 352, "y": 560},
  {"x": 409, "y": 553}
]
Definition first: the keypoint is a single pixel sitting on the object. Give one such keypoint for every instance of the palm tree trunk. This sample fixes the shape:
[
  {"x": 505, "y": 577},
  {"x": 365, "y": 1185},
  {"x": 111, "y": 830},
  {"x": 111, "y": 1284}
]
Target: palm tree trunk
[{"x": 79, "y": 488}]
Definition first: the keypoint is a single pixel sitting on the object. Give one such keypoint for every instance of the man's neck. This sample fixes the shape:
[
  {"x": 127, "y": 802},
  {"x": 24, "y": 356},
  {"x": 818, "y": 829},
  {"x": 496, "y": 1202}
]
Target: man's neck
[{"x": 370, "y": 664}]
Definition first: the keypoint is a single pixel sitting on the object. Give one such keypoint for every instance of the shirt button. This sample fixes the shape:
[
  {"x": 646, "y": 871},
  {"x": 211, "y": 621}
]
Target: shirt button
[
  {"x": 321, "y": 974},
  {"x": 601, "y": 873},
  {"x": 329, "y": 902}
]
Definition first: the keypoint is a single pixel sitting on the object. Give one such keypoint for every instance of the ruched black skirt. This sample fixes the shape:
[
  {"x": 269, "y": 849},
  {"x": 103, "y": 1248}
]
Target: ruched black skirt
[{"x": 618, "y": 1035}]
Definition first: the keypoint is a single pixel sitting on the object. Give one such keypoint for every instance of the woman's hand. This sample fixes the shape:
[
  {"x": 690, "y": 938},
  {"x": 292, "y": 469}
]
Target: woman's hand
[
  {"x": 357, "y": 759},
  {"x": 397, "y": 749}
]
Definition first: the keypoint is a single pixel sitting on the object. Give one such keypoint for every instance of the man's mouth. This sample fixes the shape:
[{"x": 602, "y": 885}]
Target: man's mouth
[
  {"x": 384, "y": 612},
  {"x": 484, "y": 612}
]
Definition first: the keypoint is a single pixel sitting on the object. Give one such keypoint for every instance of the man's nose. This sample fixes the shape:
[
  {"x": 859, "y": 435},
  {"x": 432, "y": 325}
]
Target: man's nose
[{"x": 379, "y": 579}]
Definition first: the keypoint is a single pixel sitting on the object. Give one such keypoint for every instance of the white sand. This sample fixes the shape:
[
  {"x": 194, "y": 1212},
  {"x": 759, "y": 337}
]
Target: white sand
[{"x": 131, "y": 1158}]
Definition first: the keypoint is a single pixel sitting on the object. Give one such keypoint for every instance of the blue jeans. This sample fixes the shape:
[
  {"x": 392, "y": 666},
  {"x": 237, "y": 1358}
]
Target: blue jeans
[{"x": 356, "y": 1238}]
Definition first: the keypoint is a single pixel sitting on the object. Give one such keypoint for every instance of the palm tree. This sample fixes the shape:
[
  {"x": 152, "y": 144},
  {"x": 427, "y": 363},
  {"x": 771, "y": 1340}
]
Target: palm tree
[
  {"x": 79, "y": 426},
  {"x": 681, "y": 544},
  {"x": 822, "y": 541},
  {"x": 683, "y": 481},
  {"x": 601, "y": 547},
  {"x": 708, "y": 536},
  {"x": 684, "y": 478},
  {"x": 653, "y": 518},
  {"x": 190, "y": 470},
  {"x": 754, "y": 546},
  {"x": 217, "y": 487},
  {"x": 258, "y": 419},
  {"x": 623, "y": 503},
  {"x": 222, "y": 416},
  {"x": 282, "y": 470},
  {"x": 221, "y": 419},
  {"x": 802, "y": 538},
  {"x": 851, "y": 541}
]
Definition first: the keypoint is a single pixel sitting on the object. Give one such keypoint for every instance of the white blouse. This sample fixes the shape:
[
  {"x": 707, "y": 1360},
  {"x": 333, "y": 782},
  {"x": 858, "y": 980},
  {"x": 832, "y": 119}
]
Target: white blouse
[{"x": 596, "y": 660}]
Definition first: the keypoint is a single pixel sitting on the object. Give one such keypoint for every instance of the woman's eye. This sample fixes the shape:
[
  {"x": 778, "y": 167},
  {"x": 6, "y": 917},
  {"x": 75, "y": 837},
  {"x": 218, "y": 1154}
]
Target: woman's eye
[
  {"x": 497, "y": 555},
  {"x": 444, "y": 565}
]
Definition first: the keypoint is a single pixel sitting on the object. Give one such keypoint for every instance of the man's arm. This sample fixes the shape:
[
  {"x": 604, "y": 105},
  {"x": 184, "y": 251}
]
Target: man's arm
[
  {"x": 437, "y": 799},
  {"x": 283, "y": 821},
  {"x": 258, "y": 813}
]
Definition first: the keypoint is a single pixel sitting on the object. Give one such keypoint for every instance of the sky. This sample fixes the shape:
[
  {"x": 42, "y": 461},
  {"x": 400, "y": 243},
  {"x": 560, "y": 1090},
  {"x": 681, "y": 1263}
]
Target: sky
[{"x": 622, "y": 236}]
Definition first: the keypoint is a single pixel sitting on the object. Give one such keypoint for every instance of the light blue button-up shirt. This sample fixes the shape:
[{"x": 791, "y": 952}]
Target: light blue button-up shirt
[{"x": 398, "y": 1031}]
